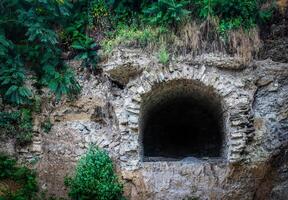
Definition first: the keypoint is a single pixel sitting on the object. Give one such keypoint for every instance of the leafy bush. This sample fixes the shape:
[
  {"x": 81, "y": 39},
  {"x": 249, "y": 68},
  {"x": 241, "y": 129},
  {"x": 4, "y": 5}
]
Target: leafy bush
[
  {"x": 61, "y": 82},
  {"x": 126, "y": 11},
  {"x": 167, "y": 12},
  {"x": 94, "y": 178},
  {"x": 80, "y": 21},
  {"x": 32, "y": 37},
  {"x": 245, "y": 13},
  {"x": 12, "y": 78},
  {"x": 12, "y": 74},
  {"x": 87, "y": 52},
  {"x": 16, "y": 183},
  {"x": 234, "y": 14},
  {"x": 17, "y": 124}
]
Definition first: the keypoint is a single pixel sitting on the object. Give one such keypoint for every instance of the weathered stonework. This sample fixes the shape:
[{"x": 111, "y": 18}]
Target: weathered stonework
[{"x": 254, "y": 102}]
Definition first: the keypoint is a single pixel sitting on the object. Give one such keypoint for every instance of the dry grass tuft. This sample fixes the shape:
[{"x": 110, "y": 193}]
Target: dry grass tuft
[
  {"x": 189, "y": 36},
  {"x": 204, "y": 38},
  {"x": 244, "y": 44},
  {"x": 195, "y": 38}
]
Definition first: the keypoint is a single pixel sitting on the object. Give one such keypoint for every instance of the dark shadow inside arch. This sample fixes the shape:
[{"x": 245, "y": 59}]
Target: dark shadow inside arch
[{"x": 181, "y": 119}]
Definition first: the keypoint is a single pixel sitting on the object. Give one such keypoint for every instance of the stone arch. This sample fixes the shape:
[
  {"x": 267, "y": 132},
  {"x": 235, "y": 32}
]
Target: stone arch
[{"x": 236, "y": 104}]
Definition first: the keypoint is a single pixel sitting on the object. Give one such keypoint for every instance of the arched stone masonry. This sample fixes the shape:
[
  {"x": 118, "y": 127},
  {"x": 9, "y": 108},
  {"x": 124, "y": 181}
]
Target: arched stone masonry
[
  {"x": 236, "y": 104},
  {"x": 181, "y": 119}
]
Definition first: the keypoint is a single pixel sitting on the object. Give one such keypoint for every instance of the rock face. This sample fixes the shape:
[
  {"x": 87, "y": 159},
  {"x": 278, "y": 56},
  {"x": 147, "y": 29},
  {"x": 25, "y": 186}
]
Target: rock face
[
  {"x": 275, "y": 37},
  {"x": 254, "y": 102}
]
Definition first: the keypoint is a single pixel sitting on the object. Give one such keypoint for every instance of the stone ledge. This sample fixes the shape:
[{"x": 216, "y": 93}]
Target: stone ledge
[
  {"x": 124, "y": 73},
  {"x": 220, "y": 61}
]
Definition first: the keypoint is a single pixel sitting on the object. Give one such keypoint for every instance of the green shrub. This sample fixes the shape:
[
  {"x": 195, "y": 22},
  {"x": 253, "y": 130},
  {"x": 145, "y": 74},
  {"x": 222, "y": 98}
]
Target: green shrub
[
  {"x": 61, "y": 82},
  {"x": 12, "y": 76},
  {"x": 21, "y": 181},
  {"x": 87, "y": 52},
  {"x": 234, "y": 14},
  {"x": 126, "y": 11},
  {"x": 33, "y": 35},
  {"x": 18, "y": 125},
  {"x": 94, "y": 178},
  {"x": 167, "y": 12}
]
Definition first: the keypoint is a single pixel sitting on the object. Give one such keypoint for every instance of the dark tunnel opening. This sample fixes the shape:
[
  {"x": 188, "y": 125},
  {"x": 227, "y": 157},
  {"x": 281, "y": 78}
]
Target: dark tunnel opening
[{"x": 183, "y": 119}]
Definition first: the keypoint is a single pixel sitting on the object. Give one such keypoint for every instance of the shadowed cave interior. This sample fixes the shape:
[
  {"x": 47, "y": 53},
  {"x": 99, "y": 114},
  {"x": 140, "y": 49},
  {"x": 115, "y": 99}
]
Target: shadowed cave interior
[{"x": 182, "y": 120}]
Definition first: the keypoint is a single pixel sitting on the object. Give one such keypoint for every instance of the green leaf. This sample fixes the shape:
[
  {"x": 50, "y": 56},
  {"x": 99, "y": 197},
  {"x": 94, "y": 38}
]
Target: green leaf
[
  {"x": 11, "y": 89},
  {"x": 78, "y": 46},
  {"x": 82, "y": 56},
  {"x": 25, "y": 92},
  {"x": 53, "y": 85}
]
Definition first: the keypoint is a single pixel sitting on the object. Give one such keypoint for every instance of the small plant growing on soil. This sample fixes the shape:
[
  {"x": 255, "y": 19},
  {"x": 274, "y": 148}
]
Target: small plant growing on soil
[
  {"x": 95, "y": 178},
  {"x": 163, "y": 56}
]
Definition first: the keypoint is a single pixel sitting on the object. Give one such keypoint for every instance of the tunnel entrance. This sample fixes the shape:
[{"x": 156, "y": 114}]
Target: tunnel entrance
[{"x": 181, "y": 119}]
